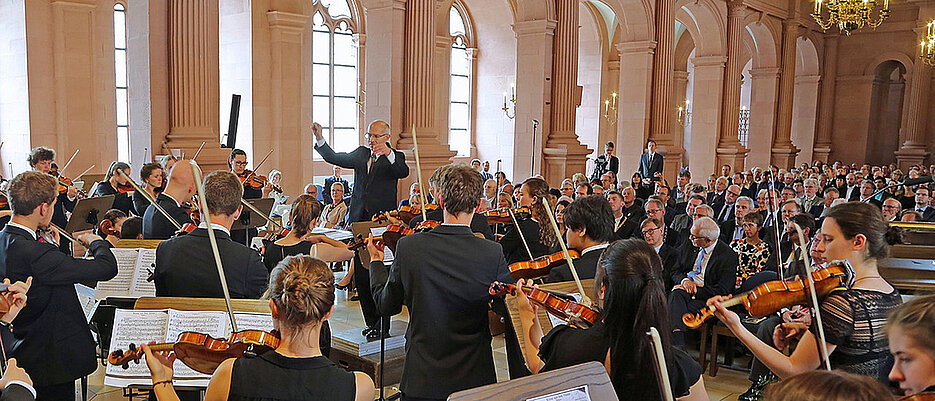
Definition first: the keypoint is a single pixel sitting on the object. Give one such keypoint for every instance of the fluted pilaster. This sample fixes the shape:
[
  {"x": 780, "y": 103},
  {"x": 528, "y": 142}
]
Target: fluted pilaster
[
  {"x": 784, "y": 152},
  {"x": 912, "y": 137},
  {"x": 419, "y": 111},
  {"x": 664, "y": 64},
  {"x": 729, "y": 150},
  {"x": 822, "y": 150}
]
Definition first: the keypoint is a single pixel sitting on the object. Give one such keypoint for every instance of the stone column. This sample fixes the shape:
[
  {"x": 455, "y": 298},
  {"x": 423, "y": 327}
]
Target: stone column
[
  {"x": 730, "y": 150},
  {"x": 822, "y": 149},
  {"x": 534, "y": 40},
  {"x": 442, "y": 92},
  {"x": 678, "y": 128},
  {"x": 287, "y": 131},
  {"x": 783, "y": 151},
  {"x": 636, "y": 69},
  {"x": 564, "y": 154},
  {"x": 193, "y": 81},
  {"x": 419, "y": 97},
  {"x": 913, "y": 136},
  {"x": 763, "y": 91},
  {"x": 706, "y": 113},
  {"x": 662, "y": 107}
]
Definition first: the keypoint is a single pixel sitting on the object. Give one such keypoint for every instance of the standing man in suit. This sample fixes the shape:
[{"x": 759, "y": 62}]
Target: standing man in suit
[
  {"x": 185, "y": 265},
  {"x": 707, "y": 270},
  {"x": 606, "y": 162},
  {"x": 448, "y": 340},
  {"x": 589, "y": 229},
  {"x": 55, "y": 344},
  {"x": 377, "y": 170},
  {"x": 326, "y": 193},
  {"x": 650, "y": 161},
  {"x": 41, "y": 159},
  {"x": 180, "y": 188}
]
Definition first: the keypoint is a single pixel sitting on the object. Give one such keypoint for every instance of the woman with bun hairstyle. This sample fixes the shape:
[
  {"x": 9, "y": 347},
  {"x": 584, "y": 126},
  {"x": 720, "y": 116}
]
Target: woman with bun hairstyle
[
  {"x": 301, "y": 298},
  {"x": 853, "y": 319}
]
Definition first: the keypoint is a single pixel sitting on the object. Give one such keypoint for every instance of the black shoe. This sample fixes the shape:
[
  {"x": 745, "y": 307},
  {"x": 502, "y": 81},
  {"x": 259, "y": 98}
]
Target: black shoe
[
  {"x": 373, "y": 333},
  {"x": 354, "y": 298},
  {"x": 755, "y": 392},
  {"x": 367, "y": 330},
  {"x": 342, "y": 287}
]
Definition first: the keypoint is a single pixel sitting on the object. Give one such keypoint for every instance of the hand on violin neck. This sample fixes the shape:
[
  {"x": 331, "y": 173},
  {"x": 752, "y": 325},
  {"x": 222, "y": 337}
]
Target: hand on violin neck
[
  {"x": 730, "y": 319},
  {"x": 522, "y": 300},
  {"x": 159, "y": 363},
  {"x": 375, "y": 248}
]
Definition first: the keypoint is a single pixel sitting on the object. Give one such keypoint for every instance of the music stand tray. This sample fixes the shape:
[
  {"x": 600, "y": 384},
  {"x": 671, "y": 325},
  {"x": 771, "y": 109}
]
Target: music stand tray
[
  {"x": 88, "y": 213},
  {"x": 587, "y": 381},
  {"x": 247, "y": 218}
]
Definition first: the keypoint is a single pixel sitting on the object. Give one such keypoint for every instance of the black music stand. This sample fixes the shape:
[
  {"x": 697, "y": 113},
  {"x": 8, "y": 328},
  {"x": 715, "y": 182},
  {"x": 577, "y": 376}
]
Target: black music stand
[
  {"x": 88, "y": 213},
  {"x": 248, "y": 219},
  {"x": 589, "y": 378}
]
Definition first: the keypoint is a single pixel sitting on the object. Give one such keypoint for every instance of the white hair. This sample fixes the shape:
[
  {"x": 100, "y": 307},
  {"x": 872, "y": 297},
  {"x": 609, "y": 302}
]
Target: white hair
[
  {"x": 708, "y": 210},
  {"x": 707, "y": 228}
]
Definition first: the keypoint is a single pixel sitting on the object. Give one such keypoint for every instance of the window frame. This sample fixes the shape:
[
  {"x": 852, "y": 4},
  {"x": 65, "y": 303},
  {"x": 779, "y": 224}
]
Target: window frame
[
  {"x": 126, "y": 88},
  {"x": 467, "y": 46}
]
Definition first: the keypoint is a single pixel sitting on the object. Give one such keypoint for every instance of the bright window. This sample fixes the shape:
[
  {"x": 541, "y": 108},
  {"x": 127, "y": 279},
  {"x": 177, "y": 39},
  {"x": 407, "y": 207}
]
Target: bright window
[
  {"x": 120, "y": 73},
  {"x": 459, "y": 108},
  {"x": 335, "y": 80}
]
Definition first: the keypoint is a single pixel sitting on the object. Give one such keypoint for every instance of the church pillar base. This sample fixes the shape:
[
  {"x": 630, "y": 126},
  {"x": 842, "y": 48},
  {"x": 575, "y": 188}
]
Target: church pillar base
[
  {"x": 909, "y": 155},
  {"x": 784, "y": 156},
  {"x": 562, "y": 161},
  {"x": 734, "y": 156}
]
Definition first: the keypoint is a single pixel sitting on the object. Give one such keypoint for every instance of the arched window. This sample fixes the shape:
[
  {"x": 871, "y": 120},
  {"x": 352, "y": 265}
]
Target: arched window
[
  {"x": 335, "y": 79},
  {"x": 120, "y": 74},
  {"x": 460, "y": 96}
]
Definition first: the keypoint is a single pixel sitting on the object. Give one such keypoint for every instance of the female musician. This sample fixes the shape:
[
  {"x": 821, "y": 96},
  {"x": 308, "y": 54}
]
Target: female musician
[
  {"x": 630, "y": 291},
  {"x": 301, "y": 294},
  {"x": 304, "y": 216},
  {"x": 116, "y": 185},
  {"x": 755, "y": 255},
  {"x": 275, "y": 177},
  {"x": 909, "y": 328},
  {"x": 827, "y": 386},
  {"x": 560, "y": 214},
  {"x": 538, "y": 237},
  {"x": 153, "y": 178},
  {"x": 853, "y": 318},
  {"x": 335, "y": 211},
  {"x": 505, "y": 202}
]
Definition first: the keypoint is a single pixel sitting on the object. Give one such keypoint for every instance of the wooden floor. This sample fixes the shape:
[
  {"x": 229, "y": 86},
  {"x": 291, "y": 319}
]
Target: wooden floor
[{"x": 727, "y": 385}]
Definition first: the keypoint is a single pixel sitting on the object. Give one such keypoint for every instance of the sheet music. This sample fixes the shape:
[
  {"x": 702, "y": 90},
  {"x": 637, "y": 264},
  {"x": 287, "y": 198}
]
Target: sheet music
[
  {"x": 387, "y": 252},
  {"x": 136, "y": 327},
  {"x": 87, "y": 300},
  {"x": 120, "y": 284},
  {"x": 209, "y": 323},
  {"x": 145, "y": 265},
  {"x": 556, "y": 321},
  {"x": 251, "y": 321}
]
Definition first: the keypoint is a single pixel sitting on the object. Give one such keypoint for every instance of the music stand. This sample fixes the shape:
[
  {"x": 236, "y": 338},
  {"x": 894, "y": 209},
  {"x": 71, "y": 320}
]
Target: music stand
[
  {"x": 362, "y": 228},
  {"x": 247, "y": 218},
  {"x": 587, "y": 378},
  {"x": 88, "y": 213}
]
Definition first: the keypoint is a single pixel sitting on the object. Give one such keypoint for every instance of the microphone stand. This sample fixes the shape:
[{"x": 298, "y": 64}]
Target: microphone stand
[{"x": 879, "y": 191}]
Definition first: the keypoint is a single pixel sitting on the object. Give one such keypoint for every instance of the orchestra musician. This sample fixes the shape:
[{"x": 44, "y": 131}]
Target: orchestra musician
[
  {"x": 132, "y": 228},
  {"x": 306, "y": 211},
  {"x": 377, "y": 170},
  {"x": 536, "y": 229},
  {"x": 116, "y": 217},
  {"x": 179, "y": 188},
  {"x": 238, "y": 165},
  {"x": 589, "y": 229},
  {"x": 153, "y": 178},
  {"x": 41, "y": 159},
  {"x": 112, "y": 185},
  {"x": 184, "y": 269},
  {"x": 301, "y": 298},
  {"x": 55, "y": 344},
  {"x": 443, "y": 276},
  {"x": 909, "y": 329},
  {"x": 478, "y": 221}
]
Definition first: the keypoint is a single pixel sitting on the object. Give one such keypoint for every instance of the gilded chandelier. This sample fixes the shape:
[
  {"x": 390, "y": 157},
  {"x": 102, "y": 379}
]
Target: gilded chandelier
[
  {"x": 928, "y": 45},
  {"x": 850, "y": 15}
]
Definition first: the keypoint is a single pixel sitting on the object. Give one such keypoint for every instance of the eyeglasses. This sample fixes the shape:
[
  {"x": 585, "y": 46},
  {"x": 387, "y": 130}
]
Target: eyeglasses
[
  {"x": 368, "y": 136},
  {"x": 653, "y": 211},
  {"x": 890, "y": 207},
  {"x": 650, "y": 230},
  {"x": 241, "y": 163}
]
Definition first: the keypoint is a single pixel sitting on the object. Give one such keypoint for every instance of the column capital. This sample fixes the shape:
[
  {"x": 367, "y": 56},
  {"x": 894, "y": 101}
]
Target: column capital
[
  {"x": 472, "y": 52},
  {"x": 680, "y": 75},
  {"x": 709, "y": 61},
  {"x": 443, "y": 41},
  {"x": 286, "y": 20},
  {"x": 764, "y": 72},
  {"x": 375, "y": 5},
  {"x": 535, "y": 27},
  {"x": 736, "y": 8},
  {"x": 360, "y": 38},
  {"x": 643, "y": 46}
]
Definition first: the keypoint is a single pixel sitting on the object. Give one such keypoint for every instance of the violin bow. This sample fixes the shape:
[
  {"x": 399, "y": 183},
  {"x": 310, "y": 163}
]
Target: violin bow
[
  {"x": 62, "y": 170},
  {"x": 415, "y": 152},
  {"x": 151, "y": 200},
  {"x": 52, "y": 227},
  {"x": 199, "y": 151},
  {"x": 165, "y": 147},
  {"x": 259, "y": 212},
  {"x": 521, "y": 236},
  {"x": 585, "y": 299},
  {"x": 770, "y": 195},
  {"x": 214, "y": 242},
  {"x": 82, "y": 173},
  {"x": 811, "y": 287},
  {"x": 255, "y": 168},
  {"x": 662, "y": 371}
]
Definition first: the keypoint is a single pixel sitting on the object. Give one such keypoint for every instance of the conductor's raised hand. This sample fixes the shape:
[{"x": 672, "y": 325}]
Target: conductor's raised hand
[
  {"x": 16, "y": 297},
  {"x": 375, "y": 248},
  {"x": 316, "y": 130}
]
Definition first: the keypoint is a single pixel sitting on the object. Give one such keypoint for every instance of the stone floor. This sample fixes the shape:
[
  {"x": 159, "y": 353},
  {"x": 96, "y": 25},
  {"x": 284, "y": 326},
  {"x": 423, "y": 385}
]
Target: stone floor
[{"x": 727, "y": 385}]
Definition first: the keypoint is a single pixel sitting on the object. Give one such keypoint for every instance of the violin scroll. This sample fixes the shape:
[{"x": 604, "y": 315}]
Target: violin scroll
[{"x": 694, "y": 321}]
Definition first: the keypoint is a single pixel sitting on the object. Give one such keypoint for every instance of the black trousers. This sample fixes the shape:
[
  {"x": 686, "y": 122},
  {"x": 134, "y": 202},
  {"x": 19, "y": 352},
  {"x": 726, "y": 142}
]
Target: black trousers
[
  {"x": 764, "y": 331},
  {"x": 680, "y": 303},
  {"x": 56, "y": 392}
]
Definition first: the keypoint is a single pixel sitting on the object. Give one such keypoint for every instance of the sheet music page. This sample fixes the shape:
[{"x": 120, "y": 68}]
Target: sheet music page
[
  {"x": 145, "y": 265},
  {"x": 120, "y": 284},
  {"x": 387, "y": 252},
  {"x": 211, "y": 323},
  {"x": 87, "y": 300},
  {"x": 556, "y": 321},
  {"x": 136, "y": 327},
  {"x": 251, "y": 321}
]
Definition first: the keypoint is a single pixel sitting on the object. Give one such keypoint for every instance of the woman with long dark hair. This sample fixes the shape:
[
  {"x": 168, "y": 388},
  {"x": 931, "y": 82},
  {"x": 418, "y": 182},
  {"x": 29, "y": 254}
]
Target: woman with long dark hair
[
  {"x": 631, "y": 292},
  {"x": 536, "y": 230}
]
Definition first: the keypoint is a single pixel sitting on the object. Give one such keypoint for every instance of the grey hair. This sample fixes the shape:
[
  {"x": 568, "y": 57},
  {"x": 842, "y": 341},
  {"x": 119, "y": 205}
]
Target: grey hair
[
  {"x": 810, "y": 180},
  {"x": 653, "y": 199},
  {"x": 707, "y": 228},
  {"x": 388, "y": 130},
  {"x": 708, "y": 210},
  {"x": 745, "y": 199}
]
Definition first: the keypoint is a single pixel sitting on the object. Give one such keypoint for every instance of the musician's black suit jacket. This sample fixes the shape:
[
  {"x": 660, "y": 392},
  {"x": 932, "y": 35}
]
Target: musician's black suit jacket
[
  {"x": 185, "y": 267},
  {"x": 478, "y": 222},
  {"x": 156, "y": 226},
  {"x": 513, "y": 248},
  {"x": 16, "y": 392},
  {"x": 649, "y": 167},
  {"x": 720, "y": 275},
  {"x": 60, "y": 219},
  {"x": 443, "y": 276},
  {"x": 374, "y": 191},
  {"x": 54, "y": 342},
  {"x": 122, "y": 200},
  {"x": 585, "y": 266}
]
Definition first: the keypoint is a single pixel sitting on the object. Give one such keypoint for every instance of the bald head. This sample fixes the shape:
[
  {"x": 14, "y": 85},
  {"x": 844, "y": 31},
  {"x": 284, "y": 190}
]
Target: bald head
[{"x": 181, "y": 181}]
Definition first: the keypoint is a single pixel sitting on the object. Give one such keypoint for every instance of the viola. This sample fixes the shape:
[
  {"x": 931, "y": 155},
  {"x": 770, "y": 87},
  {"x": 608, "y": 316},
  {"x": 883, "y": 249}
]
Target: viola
[
  {"x": 541, "y": 266},
  {"x": 495, "y": 216},
  {"x": 202, "y": 352},
  {"x": 562, "y": 306},
  {"x": 107, "y": 227},
  {"x": 249, "y": 179},
  {"x": 770, "y": 297}
]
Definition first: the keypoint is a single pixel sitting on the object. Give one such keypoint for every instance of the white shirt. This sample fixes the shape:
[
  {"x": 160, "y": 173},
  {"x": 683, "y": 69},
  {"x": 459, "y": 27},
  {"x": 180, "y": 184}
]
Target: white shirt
[
  {"x": 617, "y": 222},
  {"x": 704, "y": 264},
  {"x": 20, "y": 383},
  {"x": 657, "y": 248},
  {"x": 216, "y": 226},
  {"x": 595, "y": 247},
  {"x": 391, "y": 157},
  {"x": 27, "y": 229}
]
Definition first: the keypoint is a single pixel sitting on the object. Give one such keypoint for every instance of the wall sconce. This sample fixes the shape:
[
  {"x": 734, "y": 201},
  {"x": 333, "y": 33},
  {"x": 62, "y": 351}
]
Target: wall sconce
[
  {"x": 685, "y": 114},
  {"x": 509, "y": 101},
  {"x": 610, "y": 109}
]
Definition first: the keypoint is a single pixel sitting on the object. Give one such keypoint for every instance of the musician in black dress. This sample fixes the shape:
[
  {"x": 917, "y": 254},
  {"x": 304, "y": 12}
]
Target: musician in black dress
[
  {"x": 153, "y": 181},
  {"x": 41, "y": 159},
  {"x": 305, "y": 214},
  {"x": 111, "y": 185},
  {"x": 301, "y": 297},
  {"x": 629, "y": 288},
  {"x": 536, "y": 230},
  {"x": 179, "y": 189}
]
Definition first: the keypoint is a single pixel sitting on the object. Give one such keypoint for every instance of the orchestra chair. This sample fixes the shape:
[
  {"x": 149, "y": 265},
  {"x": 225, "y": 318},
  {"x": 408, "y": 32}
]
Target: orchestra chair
[{"x": 592, "y": 375}]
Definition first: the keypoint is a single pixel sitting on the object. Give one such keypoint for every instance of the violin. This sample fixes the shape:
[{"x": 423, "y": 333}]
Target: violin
[
  {"x": 392, "y": 235},
  {"x": 202, "y": 352},
  {"x": 107, "y": 228},
  {"x": 125, "y": 189},
  {"x": 251, "y": 180},
  {"x": 405, "y": 213},
  {"x": 770, "y": 297},
  {"x": 541, "y": 266},
  {"x": 562, "y": 306},
  {"x": 65, "y": 183},
  {"x": 495, "y": 216},
  {"x": 193, "y": 212},
  {"x": 923, "y": 396}
]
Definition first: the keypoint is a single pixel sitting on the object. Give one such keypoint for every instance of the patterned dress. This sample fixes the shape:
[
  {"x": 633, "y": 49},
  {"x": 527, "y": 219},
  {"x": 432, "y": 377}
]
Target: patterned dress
[{"x": 753, "y": 258}]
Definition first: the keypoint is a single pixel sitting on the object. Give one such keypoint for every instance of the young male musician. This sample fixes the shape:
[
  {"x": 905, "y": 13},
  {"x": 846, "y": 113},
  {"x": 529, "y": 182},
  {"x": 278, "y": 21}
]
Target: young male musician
[
  {"x": 589, "y": 228},
  {"x": 443, "y": 277},
  {"x": 185, "y": 265},
  {"x": 238, "y": 165},
  {"x": 40, "y": 159},
  {"x": 122, "y": 201},
  {"x": 479, "y": 223},
  {"x": 55, "y": 343},
  {"x": 180, "y": 188}
]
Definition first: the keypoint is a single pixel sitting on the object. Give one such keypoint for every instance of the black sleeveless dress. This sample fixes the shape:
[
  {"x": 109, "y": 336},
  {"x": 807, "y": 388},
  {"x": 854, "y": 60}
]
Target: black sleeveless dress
[{"x": 272, "y": 376}]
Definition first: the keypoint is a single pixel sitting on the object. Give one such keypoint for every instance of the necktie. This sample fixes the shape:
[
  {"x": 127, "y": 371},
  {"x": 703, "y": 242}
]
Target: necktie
[
  {"x": 724, "y": 210},
  {"x": 697, "y": 270},
  {"x": 373, "y": 161}
]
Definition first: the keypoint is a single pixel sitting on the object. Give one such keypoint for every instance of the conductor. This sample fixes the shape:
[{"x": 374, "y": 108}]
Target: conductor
[{"x": 377, "y": 169}]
